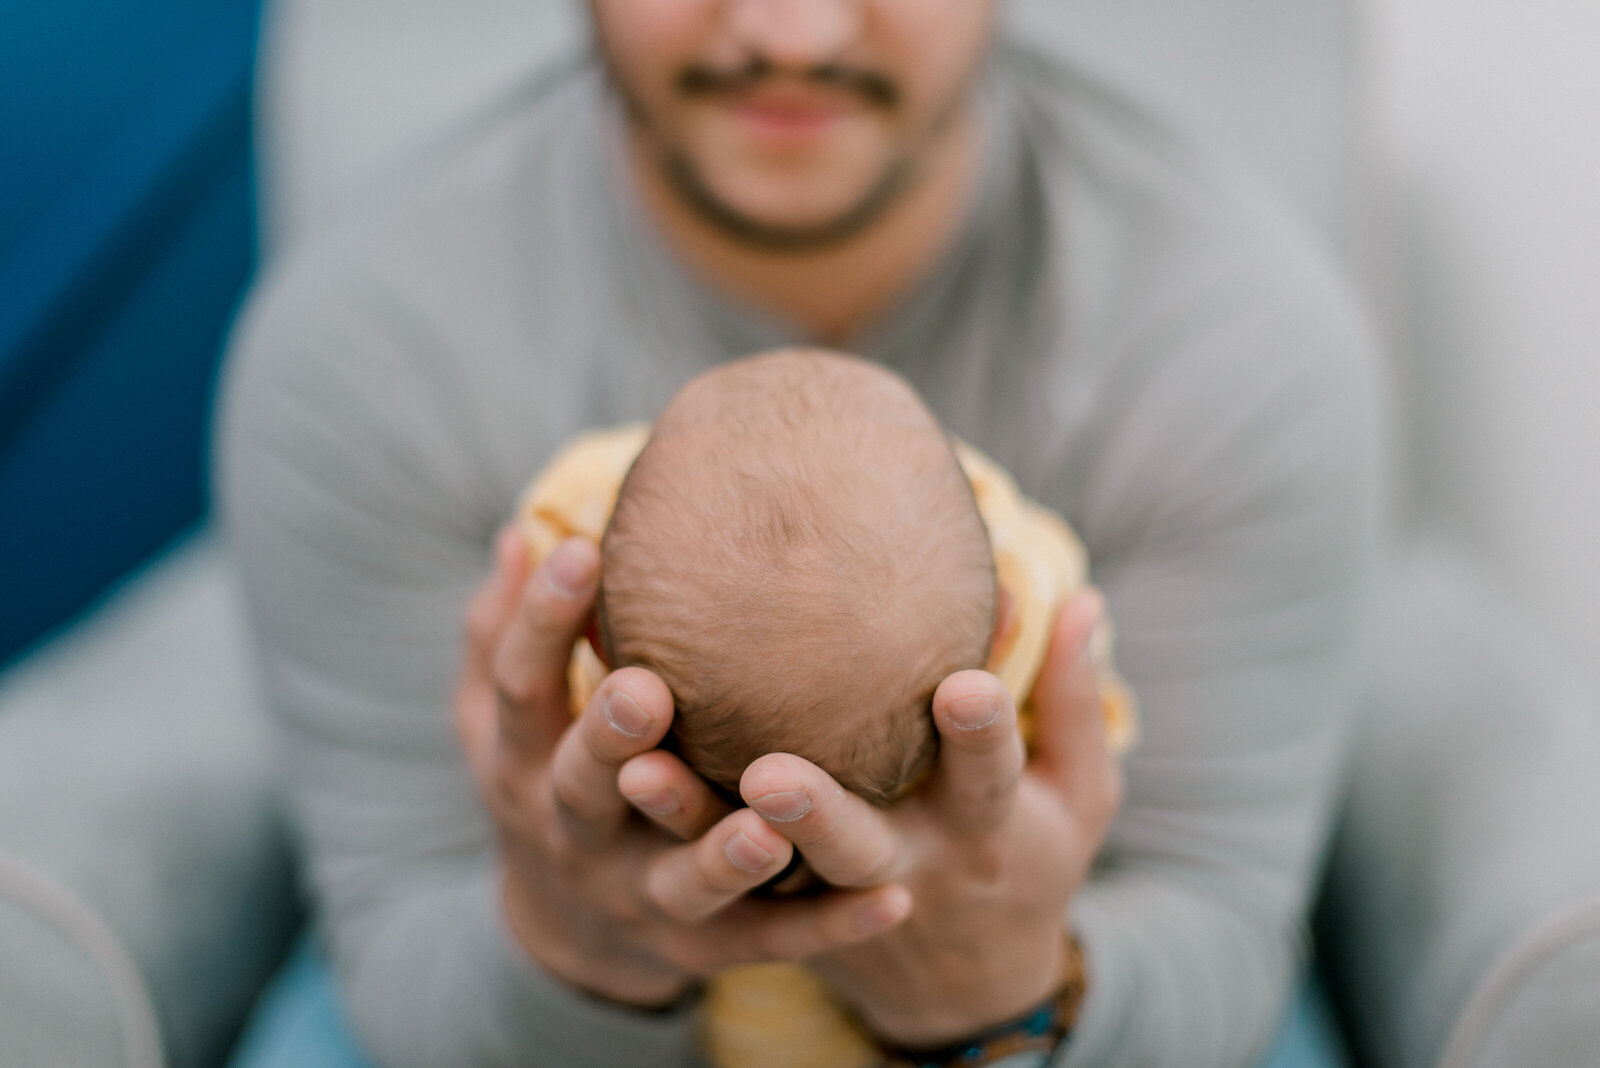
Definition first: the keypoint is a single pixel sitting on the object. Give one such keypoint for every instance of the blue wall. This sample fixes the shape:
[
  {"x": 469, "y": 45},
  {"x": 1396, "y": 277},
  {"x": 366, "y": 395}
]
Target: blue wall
[{"x": 126, "y": 239}]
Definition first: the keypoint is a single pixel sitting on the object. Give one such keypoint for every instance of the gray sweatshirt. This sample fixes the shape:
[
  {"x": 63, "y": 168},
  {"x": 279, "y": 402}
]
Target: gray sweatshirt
[{"x": 1121, "y": 322}]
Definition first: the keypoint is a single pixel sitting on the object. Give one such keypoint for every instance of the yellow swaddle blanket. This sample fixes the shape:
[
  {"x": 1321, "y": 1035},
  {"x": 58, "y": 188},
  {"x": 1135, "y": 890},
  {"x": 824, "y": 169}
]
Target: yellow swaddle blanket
[{"x": 779, "y": 1015}]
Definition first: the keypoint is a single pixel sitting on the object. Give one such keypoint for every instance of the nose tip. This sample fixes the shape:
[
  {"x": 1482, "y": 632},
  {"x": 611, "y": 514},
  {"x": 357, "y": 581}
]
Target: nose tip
[{"x": 795, "y": 33}]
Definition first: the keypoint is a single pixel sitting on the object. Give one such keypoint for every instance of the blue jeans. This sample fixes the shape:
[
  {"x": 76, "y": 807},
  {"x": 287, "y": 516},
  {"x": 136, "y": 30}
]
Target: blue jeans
[{"x": 299, "y": 1025}]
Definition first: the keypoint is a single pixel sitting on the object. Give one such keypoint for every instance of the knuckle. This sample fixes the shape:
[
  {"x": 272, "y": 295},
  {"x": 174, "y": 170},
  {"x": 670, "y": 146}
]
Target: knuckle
[
  {"x": 545, "y": 615},
  {"x": 989, "y": 794},
  {"x": 513, "y": 800},
  {"x": 860, "y": 870},
  {"x": 472, "y": 716},
  {"x": 500, "y": 798},
  {"x": 718, "y": 877},
  {"x": 570, "y": 795},
  {"x": 631, "y": 909},
  {"x": 772, "y": 943},
  {"x": 702, "y": 894},
  {"x": 565, "y": 858},
  {"x": 658, "y": 891},
  {"x": 832, "y": 929},
  {"x": 987, "y": 862},
  {"x": 513, "y": 679},
  {"x": 711, "y": 872},
  {"x": 603, "y": 744},
  {"x": 505, "y": 789},
  {"x": 791, "y": 938},
  {"x": 667, "y": 894},
  {"x": 677, "y": 907},
  {"x": 676, "y": 910},
  {"x": 690, "y": 954},
  {"x": 481, "y": 622},
  {"x": 813, "y": 833}
]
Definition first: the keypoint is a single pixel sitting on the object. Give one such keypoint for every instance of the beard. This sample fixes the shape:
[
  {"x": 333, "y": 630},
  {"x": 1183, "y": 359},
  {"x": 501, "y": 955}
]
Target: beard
[
  {"x": 689, "y": 182},
  {"x": 690, "y": 185}
]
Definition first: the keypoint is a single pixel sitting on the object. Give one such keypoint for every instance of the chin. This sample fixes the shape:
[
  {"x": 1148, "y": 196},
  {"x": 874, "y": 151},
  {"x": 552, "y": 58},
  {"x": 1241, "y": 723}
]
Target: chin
[
  {"x": 795, "y": 212},
  {"x": 792, "y": 212}
]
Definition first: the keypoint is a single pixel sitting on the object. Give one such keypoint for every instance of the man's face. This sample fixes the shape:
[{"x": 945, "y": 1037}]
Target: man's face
[{"x": 792, "y": 123}]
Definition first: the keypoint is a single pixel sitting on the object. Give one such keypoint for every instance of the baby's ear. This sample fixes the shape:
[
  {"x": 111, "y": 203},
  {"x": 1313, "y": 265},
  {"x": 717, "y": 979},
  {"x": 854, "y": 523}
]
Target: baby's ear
[{"x": 1005, "y": 622}]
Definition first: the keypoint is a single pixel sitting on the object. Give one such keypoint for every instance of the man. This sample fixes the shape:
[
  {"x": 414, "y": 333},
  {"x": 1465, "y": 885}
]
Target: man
[{"x": 1073, "y": 290}]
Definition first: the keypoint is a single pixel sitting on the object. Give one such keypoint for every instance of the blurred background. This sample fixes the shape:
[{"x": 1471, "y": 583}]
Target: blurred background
[
  {"x": 1486, "y": 234},
  {"x": 126, "y": 238},
  {"x": 128, "y": 230},
  {"x": 153, "y": 155}
]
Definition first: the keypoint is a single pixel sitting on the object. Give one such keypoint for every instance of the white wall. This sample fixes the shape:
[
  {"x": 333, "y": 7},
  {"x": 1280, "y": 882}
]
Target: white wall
[{"x": 1488, "y": 113}]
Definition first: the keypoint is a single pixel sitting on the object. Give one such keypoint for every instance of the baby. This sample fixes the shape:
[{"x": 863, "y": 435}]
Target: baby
[
  {"x": 802, "y": 555},
  {"x": 798, "y": 552}
]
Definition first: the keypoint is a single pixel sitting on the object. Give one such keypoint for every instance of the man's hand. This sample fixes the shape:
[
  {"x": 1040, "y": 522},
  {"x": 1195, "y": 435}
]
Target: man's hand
[
  {"x": 991, "y": 851},
  {"x": 604, "y": 900}
]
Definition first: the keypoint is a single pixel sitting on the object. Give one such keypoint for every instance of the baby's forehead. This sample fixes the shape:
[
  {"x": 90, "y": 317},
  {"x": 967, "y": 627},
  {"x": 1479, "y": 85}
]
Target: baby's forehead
[
  {"x": 797, "y": 425},
  {"x": 796, "y": 379},
  {"x": 799, "y": 555}
]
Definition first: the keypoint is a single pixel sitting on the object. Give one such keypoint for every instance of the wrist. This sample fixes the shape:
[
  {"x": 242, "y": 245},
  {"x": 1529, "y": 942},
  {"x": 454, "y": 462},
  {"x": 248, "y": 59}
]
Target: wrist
[
  {"x": 954, "y": 995},
  {"x": 588, "y": 968},
  {"x": 1041, "y": 1029}
]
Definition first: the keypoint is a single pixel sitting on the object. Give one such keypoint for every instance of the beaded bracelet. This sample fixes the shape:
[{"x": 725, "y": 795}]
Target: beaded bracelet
[{"x": 1040, "y": 1030}]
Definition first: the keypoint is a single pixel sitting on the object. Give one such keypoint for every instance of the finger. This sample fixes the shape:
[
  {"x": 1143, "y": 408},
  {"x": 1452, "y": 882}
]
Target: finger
[
  {"x": 696, "y": 880},
  {"x": 491, "y": 608},
  {"x": 801, "y": 928},
  {"x": 846, "y": 840},
  {"x": 530, "y": 661},
  {"x": 980, "y": 752},
  {"x": 488, "y": 614},
  {"x": 1070, "y": 748},
  {"x": 628, "y": 715},
  {"x": 666, "y": 790}
]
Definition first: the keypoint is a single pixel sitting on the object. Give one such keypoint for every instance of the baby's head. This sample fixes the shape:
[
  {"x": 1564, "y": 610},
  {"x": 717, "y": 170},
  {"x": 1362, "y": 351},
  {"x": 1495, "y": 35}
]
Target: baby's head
[{"x": 798, "y": 555}]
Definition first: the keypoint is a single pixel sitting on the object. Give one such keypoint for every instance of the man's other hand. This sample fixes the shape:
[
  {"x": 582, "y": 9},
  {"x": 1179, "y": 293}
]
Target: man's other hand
[
  {"x": 630, "y": 909},
  {"x": 992, "y": 848}
]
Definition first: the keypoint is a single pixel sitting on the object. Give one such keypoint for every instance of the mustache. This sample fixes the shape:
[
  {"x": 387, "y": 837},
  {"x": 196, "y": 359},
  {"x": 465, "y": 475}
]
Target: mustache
[{"x": 700, "y": 80}]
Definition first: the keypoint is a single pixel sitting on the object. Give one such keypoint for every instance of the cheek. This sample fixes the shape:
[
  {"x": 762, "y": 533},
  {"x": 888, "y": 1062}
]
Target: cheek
[
  {"x": 648, "y": 41},
  {"x": 932, "y": 45}
]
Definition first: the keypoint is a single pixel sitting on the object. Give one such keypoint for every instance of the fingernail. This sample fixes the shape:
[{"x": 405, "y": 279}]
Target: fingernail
[
  {"x": 624, "y": 713},
  {"x": 785, "y": 806},
  {"x": 662, "y": 802},
  {"x": 569, "y": 573},
  {"x": 744, "y": 854},
  {"x": 971, "y": 713}
]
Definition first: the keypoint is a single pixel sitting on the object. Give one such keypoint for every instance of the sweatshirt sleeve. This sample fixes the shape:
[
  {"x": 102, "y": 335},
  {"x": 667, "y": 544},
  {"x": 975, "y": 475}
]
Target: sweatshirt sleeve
[
  {"x": 361, "y": 500},
  {"x": 1231, "y": 503}
]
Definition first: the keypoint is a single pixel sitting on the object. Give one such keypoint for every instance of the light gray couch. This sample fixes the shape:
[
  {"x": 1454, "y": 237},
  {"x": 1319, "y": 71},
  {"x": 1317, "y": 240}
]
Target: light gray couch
[
  {"x": 1460, "y": 919},
  {"x": 146, "y": 888},
  {"x": 145, "y": 881}
]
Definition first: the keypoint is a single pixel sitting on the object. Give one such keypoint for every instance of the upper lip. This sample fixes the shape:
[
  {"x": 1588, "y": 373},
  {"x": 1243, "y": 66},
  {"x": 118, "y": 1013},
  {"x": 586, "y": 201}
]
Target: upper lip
[{"x": 793, "y": 101}]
